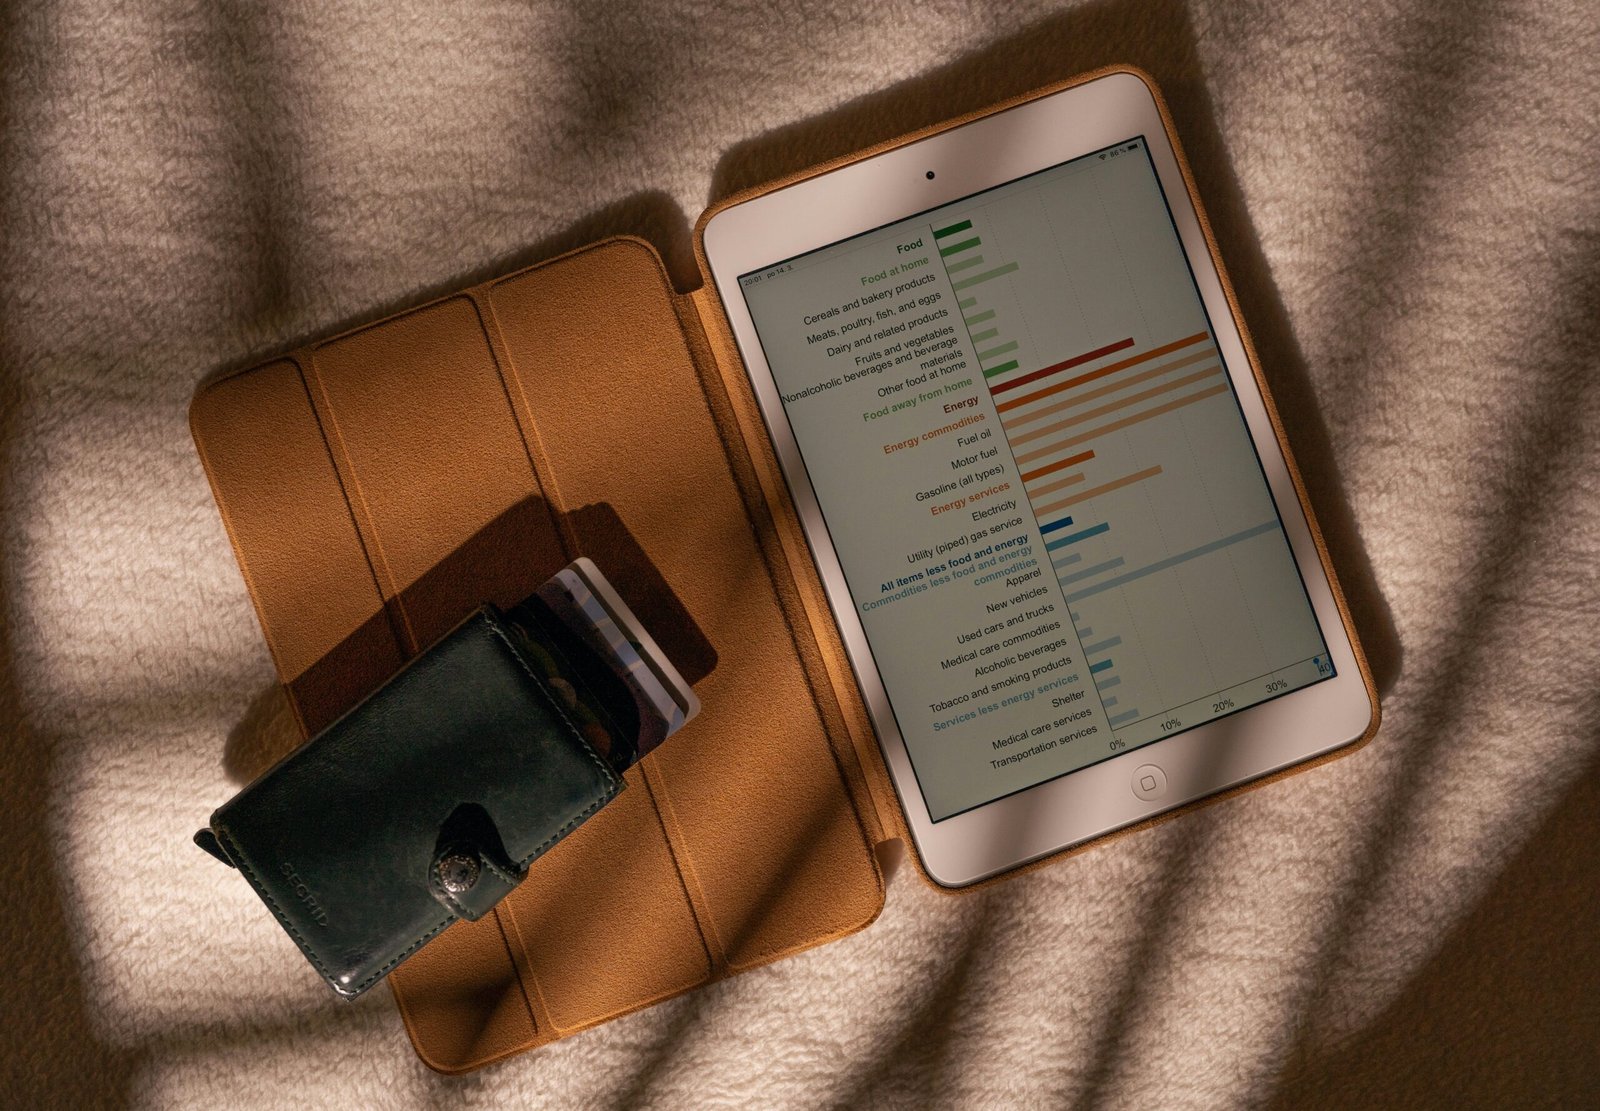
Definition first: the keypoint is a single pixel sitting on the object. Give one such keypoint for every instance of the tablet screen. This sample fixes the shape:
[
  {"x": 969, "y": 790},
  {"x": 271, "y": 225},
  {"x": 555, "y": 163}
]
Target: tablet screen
[{"x": 1038, "y": 480}]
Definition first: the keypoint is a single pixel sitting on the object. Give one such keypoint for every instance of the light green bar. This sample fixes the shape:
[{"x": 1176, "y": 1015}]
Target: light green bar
[
  {"x": 979, "y": 318},
  {"x": 979, "y": 337},
  {"x": 1003, "y": 349},
  {"x": 1008, "y": 268},
  {"x": 966, "y": 302},
  {"x": 964, "y": 264}
]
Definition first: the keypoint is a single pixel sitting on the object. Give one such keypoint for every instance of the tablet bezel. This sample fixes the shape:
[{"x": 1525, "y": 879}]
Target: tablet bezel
[{"x": 944, "y": 167}]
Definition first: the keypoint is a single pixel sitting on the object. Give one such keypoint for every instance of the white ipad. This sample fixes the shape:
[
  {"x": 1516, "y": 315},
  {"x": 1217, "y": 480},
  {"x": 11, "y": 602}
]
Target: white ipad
[{"x": 1033, "y": 462}]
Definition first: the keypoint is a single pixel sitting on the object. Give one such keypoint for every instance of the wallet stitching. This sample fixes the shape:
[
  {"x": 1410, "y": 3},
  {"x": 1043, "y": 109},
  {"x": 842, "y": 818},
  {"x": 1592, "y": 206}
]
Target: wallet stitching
[
  {"x": 606, "y": 773},
  {"x": 439, "y": 889},
  {"x": 305, "y": 946},
  {"x": 503, "y": 875},
  {"x": 418, "y": 944},
  {"x": 442, "y": 892},
  {"x": 583, "y": 745}
]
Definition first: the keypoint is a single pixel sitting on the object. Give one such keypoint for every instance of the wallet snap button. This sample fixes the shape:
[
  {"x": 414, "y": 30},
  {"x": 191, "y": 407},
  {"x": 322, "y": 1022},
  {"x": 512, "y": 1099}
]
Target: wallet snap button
[{"x": 459, "y": 872}]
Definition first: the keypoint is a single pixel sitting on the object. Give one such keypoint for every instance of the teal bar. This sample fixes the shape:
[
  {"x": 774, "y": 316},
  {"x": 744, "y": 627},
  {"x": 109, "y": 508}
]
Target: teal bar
[
  {"x": 1107, "y": 684},
  {"x": 1108, "y": 565},
  {"x": 1162, "y": 565},
  {"x": 952, "y": 229},
  {"x": 964, "y": 245},
  {"x": 964, "y": 264},
  {"x": 998, "y": 271},
  {"x": 1104, "y": 646},
  {"x": 1092, "y": 530},
  {"x": 1122, "y": 717}
]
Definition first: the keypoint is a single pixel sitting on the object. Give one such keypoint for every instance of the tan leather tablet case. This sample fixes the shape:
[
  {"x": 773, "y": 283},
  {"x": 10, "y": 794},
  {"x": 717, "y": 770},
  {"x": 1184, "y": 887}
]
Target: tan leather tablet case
[{"x": 379, "y": 485}]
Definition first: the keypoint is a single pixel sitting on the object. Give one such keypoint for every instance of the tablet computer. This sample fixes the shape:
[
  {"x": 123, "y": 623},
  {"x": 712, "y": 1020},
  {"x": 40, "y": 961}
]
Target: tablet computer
[{"x": 1070, "y": 559}]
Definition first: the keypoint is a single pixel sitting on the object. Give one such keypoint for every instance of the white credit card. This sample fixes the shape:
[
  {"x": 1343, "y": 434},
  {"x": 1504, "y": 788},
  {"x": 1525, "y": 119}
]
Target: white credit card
[{"x": 582, "y": 597}]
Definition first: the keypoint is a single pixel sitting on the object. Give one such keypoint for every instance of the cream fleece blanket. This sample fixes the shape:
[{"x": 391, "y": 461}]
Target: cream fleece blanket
[{"x": 1408, "y": 196}]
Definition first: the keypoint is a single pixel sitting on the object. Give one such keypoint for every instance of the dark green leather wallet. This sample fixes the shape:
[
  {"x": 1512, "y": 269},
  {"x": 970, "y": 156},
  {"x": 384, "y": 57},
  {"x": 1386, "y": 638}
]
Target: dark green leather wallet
[{"x": 429, "y": 800}]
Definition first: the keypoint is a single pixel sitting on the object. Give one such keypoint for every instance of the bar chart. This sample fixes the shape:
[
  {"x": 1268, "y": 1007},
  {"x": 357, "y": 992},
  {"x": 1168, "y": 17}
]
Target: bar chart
[
  {"x": 1151, "y": 529},
  {"x": 1019, "y": 424}
]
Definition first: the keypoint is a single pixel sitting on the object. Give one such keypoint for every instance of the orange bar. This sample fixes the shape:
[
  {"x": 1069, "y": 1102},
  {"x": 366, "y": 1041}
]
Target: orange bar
[
  {"x": 1120, "y": 403},
  {"x": 1057, "y": 368},
  {"x": 1125, "y": 480},
  {"x": 1153, "y": 353},
  {"x": 1083, "y": 437},
  {"x": 1070, "y": 480},
  {"x": 1059, "y": 465},
  {"x": 1101, "y": 391}
]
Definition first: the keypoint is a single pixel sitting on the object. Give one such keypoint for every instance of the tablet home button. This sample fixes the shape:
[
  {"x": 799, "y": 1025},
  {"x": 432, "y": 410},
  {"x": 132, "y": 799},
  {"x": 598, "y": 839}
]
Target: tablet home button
[{"x": 1149, "y": 782}]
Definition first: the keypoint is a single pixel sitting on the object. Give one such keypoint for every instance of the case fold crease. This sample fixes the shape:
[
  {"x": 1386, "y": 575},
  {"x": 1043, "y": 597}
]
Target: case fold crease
[{"x": 463, "y": 451}]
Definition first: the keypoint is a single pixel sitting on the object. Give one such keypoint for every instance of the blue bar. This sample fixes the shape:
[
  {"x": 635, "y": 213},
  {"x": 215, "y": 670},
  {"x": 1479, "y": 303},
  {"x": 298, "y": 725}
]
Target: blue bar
[
  {"x": 1053, "y": 525},
  {"x": 1109, "y": 702},
  {"x": 1108, "y": 565},
  {"x": 1093, "y": 530},
  {"x": 1162, "y": 565},
  {"x": 1065, "y": 561},
  {"x": 1099, "y": 649},
  {"x": 1084, "y": 630},
  {"x": 1107, "y": 684},
  {"x": 1103, "y": 665},
  {"x": 1127, "y": 715}
]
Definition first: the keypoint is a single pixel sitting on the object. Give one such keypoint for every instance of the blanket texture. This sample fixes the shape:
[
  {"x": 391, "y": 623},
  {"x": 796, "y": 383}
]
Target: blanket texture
[{"x": 1407, "y": 194}]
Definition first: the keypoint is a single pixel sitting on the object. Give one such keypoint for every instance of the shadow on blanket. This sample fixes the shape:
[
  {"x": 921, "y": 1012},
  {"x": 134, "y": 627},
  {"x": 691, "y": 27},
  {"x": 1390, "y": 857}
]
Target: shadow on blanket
[
  {"x": 48, "y": 1043},
  {"x": 1488, "y": 1021},
  {"x": 1154, "y": 35},
  {"x": 1463, "y": 1018}
]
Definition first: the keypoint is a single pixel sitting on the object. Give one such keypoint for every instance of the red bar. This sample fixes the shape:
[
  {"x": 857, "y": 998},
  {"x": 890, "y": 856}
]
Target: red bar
[
  {"x": 1068, "y": 365},
  {"x": 1099, "y": 372}
]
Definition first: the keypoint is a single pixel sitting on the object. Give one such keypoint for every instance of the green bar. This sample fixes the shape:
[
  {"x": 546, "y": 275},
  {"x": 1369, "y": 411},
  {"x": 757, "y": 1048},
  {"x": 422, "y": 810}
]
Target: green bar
[
  {"x": 952, "y": 229},
  {"x": 1003, "y": 349},
  {"x": 966, "y": 263},
  {"x": 1003, "y": 368},
  {"x": 979, "y": 318},
  {"x": 962, "y": 246},
  {"x": 966, "y": 302},
  {"x": 979, "y": 337},
  {"x": 1008, "y": 268}
]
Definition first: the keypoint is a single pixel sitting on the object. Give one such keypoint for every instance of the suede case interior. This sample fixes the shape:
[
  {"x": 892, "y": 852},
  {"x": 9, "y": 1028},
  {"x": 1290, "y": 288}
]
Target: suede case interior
[
  {"x": 379, "y": 485},
  {"x": 464, "y": 452}
]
